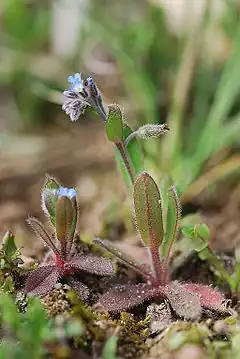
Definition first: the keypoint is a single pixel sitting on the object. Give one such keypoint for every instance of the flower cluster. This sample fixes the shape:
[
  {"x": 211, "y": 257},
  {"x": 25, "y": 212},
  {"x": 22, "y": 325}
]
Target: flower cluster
[{"x": 80, "y": 94}]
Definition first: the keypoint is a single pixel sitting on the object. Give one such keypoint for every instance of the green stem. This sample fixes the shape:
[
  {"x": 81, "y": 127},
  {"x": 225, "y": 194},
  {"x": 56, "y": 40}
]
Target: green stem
[{"x": 121, "y": 148}]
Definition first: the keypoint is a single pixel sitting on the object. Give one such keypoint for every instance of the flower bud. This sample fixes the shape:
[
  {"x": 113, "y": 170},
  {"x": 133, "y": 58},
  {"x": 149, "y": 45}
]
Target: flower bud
[{"x": 148, "y": 131}]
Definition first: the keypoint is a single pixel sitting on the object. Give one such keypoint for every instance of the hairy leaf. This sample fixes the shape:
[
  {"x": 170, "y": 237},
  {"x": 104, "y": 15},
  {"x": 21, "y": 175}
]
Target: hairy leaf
[
  {"x": 50, "y": 197},
  {"x": 147, "y": 205},
  {"x": 142, "y": 269},
  {"x": 92, "y": 264},
  {"x": 41, "y": 232},
  {"x": 209, "y": 297},
  {"x": 124, "y": 297},
  {"x": 114, "y": 124},
  {"x": 184, "y": 303},
  {"x": 173, "y": 219},
  {"x": 42, "y": 280}
]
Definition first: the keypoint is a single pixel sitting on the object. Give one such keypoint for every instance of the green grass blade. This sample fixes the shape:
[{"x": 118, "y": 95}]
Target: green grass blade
[{"x": 227, "y": 91}]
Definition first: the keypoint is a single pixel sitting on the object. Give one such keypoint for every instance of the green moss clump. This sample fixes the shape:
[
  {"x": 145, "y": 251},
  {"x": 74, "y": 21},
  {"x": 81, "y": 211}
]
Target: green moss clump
[
  {"x": 132, "y": 336},
  {"x": 56, "y": 302}
]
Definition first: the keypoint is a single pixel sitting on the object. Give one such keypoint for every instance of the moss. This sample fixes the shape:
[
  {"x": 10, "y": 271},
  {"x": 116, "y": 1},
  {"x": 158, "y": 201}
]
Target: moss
[
  {"x": 57, "y": 301},
  {"x": 132, "y": 333},
  {"x": 132, "y": 336},
  {"x": 96, "y": 325}
]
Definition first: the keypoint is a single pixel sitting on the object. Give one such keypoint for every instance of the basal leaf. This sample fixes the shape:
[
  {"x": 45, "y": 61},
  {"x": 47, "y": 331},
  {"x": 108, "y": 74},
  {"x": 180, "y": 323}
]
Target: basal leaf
[{"x": 148, "y": 211}]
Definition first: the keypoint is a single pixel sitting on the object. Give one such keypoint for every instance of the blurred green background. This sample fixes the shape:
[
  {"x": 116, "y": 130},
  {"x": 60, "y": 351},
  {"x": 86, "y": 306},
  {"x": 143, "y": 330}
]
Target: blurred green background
[{"x": 174, "y": 61}]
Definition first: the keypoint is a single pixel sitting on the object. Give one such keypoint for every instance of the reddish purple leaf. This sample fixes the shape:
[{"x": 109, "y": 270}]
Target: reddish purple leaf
[
  {"x": 185, "y": 303},
  {"x": 209, "y": 297},
  {"x": 92, "y": 264},
  {"x": 124, "y": 297},
  {"x": 41, "y": 232},
  {"x": 42, "y": 280}
]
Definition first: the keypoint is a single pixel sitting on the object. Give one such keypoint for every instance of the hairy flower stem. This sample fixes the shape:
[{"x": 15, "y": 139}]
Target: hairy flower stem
[
  {"x": 130, "y": 137},
  {"x": 122, "y": 150}
]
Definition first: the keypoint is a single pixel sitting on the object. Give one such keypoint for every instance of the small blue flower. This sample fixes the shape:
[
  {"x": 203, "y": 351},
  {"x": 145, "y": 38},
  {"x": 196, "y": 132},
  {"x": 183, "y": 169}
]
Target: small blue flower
[
  {"x": 67, "y": 192},
  {"x": 76, "y": 81},
  {"x": 82, "y": 93}
]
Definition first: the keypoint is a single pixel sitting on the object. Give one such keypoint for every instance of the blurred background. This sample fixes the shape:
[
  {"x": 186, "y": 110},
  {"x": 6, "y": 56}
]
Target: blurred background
[{"x": 174, "y": 61}]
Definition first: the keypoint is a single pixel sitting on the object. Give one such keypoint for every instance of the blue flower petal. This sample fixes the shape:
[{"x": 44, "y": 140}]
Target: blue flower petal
[
  {"x": 71, "y": 79},
  {"x": 67, "y": 192},
  {"x": 78, "y": 76}
]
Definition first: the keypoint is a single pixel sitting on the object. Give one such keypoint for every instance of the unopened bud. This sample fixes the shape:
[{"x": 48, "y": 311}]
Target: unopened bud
[{"x": 148, "y": 131}]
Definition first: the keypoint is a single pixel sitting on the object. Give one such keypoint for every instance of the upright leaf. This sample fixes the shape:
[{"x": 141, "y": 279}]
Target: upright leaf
[
  {"x": 50, "y": 198},
  {"x": 9, "y": 244},
  {"x": 173, "y": 218},
  {"x": 65, "y": 222},
  {"x": 148, "y": 211},
  {"x": 114, "y": 124}
]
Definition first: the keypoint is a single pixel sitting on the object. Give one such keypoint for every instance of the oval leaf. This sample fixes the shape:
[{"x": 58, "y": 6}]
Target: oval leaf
[
  {"x": 148, "y": 211},
  {"x": 191, "y": 232},
  {"x": 114, "y": 124},
  {"x": 65, "y": 223},
  {"x": 185, "y": 303},
  {"x": 50, "y": 197}
]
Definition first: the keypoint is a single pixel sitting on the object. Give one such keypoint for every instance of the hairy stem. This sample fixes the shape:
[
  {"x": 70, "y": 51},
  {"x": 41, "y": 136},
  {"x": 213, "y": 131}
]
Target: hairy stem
[
  {"x": 130, "y": 137},
  {"x": 141, "y": 269},
  {"x": 125, "y": 159}
]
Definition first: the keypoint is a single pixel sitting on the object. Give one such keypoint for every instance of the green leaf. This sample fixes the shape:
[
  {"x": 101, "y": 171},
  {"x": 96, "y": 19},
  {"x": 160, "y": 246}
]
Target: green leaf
[
  {"x": 9, "y": 314},
  {"x": 110, "y": 348},
  {"x": 73, "y": 328},
  {"x": 173, "y": 218},
  {"x": 188, "y": 231},
  {"x": 9, "y": 244},
  {"x": 148, "y": 211},
  {"x": 193, "y": 232},
  {"x": 65, "y": 222},
  {"x": 202, "y": 231},
  {"x": 114, "y": 124},
  {"x": 134, "y": 154},
  {"x": 50, "y": 198}
]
